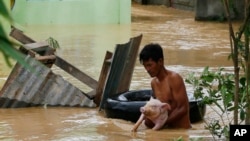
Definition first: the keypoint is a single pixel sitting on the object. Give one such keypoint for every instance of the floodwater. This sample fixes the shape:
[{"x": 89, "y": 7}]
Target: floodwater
[{"x": 188, "y": 45}]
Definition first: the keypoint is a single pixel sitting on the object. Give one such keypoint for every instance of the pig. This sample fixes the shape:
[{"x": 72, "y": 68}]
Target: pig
[{"x": 154, "y": 110}]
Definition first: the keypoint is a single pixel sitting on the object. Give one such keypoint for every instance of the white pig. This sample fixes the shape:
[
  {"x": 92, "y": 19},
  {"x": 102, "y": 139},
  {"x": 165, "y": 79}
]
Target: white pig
[{"x": 154, "y": 110}]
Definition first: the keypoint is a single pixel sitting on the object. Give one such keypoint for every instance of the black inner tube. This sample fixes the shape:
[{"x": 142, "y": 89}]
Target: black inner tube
[
  {"x": 143, "y": 95},
  {"x": 127, "y": 106}
]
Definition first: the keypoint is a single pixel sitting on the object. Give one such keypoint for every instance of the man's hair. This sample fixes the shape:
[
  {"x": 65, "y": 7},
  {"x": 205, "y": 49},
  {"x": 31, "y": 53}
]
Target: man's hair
[{"x": 153, "y": 51}]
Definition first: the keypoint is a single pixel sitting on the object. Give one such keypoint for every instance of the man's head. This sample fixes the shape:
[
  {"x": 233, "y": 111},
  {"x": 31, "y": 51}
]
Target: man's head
[
  {"x": 151, "y": 56},
  {"x": 151, "y": 51}
]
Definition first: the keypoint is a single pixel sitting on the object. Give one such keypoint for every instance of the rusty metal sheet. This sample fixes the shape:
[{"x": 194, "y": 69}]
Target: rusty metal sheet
[
  {"x": 41, "y": 87},
  {"x": 121, "y": 69}
]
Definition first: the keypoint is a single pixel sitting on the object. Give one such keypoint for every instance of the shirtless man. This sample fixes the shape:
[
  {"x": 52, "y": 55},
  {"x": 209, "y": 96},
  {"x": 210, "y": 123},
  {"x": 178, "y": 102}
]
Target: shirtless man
[{"x": 167, "y": 86}]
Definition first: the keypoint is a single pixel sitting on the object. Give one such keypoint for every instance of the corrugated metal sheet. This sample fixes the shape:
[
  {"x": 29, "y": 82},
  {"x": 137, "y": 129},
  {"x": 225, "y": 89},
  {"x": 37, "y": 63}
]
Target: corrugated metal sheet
[
  {"x": 25, "y": 88},
  {"x": 121, "y": 69}
]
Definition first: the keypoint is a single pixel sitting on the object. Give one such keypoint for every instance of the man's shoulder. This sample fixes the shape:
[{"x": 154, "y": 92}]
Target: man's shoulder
[
  {"x": 174, "y": 74},
  {"x": 175, "y": 78}
]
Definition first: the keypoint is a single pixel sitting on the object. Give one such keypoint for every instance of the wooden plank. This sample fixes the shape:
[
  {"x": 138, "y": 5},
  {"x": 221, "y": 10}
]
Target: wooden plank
[
  {"x": 102, "y": 78},
  {"x": 117, "y": 70},
  {"x": 75, "y": 72},
  {"x": 46, "y": 60},
  {"x": 41, "y": 48},
  {"x": 19, "y": 36},
  {"x": 36, "y": 45},
  {"x": 63, "y": 64}
]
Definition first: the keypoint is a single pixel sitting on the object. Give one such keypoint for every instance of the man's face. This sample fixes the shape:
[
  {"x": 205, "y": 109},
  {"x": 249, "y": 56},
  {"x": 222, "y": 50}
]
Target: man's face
[{"x": 152, "y": 67}]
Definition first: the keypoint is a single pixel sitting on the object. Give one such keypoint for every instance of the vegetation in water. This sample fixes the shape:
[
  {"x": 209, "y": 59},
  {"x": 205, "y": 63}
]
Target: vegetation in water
[{"x": 227, "y": 94}]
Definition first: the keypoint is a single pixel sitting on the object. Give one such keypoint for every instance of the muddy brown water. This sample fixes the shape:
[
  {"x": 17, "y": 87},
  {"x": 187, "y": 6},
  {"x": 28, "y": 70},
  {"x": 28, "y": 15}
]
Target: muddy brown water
[{"x": 188, "y": 45}]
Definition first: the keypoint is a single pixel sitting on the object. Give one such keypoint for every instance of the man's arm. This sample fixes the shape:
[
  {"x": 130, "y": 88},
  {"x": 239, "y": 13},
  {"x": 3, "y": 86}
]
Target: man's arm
[{"x": 180, "y": 100}]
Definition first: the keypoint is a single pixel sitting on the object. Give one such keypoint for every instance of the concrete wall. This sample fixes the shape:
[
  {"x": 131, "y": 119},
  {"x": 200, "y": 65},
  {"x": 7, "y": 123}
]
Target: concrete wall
[
  {"x": 179, "y": 4},
  {"x": 214, "y": 10},
  {"x": 184, "y": 4},
  {"x": 204, "y": 9},
  {"x": 72, "y": 11},
  {"x": 156, "y": 2}
]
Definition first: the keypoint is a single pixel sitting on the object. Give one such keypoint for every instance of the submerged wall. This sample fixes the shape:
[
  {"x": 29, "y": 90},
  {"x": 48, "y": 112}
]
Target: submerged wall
[
  {"x": 179, "y": 4},
  {"x": 72, "y": 11},
  {"x": 204, "y": 9},
  {"x": 214, "y": 10}
]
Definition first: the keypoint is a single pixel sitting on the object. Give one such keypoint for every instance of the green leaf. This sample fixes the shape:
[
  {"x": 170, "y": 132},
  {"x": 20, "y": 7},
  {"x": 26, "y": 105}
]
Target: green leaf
[
  {"x": 4, "y": 11},
  {"x": 53, "y": 43},
  {"x": 242, "y": 114}
]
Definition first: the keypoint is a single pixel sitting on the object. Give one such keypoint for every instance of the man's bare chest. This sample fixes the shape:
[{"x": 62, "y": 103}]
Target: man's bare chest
[{"x": 163, "y": 92}]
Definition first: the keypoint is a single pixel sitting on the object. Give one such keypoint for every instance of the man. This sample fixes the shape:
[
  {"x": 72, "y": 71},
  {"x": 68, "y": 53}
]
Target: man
[{"x": 167, "y": 86}]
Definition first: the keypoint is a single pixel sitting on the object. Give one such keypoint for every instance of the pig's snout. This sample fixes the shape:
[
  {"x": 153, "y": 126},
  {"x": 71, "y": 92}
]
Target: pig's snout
[
  {"x": 142, "y": 109},
  {"x": 145, "y": 110}
]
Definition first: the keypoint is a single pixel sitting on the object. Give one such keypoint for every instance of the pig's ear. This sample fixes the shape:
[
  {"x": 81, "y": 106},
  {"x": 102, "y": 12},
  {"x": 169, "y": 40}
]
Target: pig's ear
[
  {"x": 166, "y": 106},
  {"x": 151, "y": 97}
]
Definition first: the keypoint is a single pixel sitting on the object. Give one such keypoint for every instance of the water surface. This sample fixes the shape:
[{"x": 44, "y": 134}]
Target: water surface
[{"x": 188, "y": 45}]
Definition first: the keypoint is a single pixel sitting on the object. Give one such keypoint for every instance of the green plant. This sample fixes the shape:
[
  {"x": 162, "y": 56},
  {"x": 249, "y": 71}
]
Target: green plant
[
  {"x": 7, "y": 47},
  {"x": 53, "y": 43},
  {"x": 240, "y": 49},
  {"x": 227, "y": 94},
  {"x": 216, "y": 89}
]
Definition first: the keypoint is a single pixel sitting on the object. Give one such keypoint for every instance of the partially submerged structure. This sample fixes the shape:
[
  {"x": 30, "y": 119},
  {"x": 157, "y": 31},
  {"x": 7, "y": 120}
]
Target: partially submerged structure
[{"x": 41, "y": 86}]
